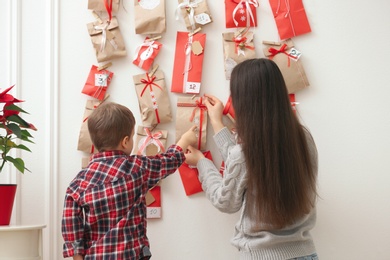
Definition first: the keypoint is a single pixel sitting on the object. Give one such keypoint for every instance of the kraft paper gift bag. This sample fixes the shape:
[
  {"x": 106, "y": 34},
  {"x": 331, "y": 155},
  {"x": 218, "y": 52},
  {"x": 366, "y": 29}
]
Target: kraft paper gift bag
[
  {"x": 107, "y": 40},
  {"x": 241, "y": 13},
  {"x": 146, "y": 53},
  {"x": 285, "y": 56},
  {"x": 97, "y": 83},
  {"x": 187, "y": 68},
  {"x": 192, "y": 111},
  {"x": 153, "y": 98},
  {"x": 189, "y": 177},
  {"x": 149, "y": 16},
  {"x": 290, "y": 17},
  {"x": 100, "y": 5},
  {"x": 195, "y": 13},
  {"x": 149, "y": 141},
  {"x": 85, "y": 143},
  {"x": 237, "y": 48}
]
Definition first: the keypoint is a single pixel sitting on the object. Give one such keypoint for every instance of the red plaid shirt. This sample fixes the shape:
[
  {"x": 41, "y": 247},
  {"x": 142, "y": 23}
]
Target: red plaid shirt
[{"x": 104, "y": 214}]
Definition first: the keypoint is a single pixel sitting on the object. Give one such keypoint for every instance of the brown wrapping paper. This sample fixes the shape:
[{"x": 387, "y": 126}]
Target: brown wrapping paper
[
  {"x": 98, "y": 6},
  {"x": 191, "y": 111},
  {"x": 149, "y": 16},
  {"x": 293, "y": 73},
  {"x": 149, "y": 141},
  {"x": 153, "y": 98},
  {"x": 195, "y": 13},
  {"x": 85, "y": 143},
  {"x": 237, "y": 48},
  {"x": 113, "y": 47}
]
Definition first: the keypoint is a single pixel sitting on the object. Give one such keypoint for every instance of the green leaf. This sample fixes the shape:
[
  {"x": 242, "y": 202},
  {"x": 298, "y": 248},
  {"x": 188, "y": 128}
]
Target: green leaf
[
  {"x": 19, "y": 120},
  {"x": 17, "y": 162},
  {"x": 23, "y": 147},
  {"x": 14, "y": 107},
  {"x": 15, "y": 129}
]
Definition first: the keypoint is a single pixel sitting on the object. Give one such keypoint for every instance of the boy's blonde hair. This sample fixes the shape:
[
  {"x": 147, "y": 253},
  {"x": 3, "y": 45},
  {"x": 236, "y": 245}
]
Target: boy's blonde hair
[{"x": 108, "y": 124}]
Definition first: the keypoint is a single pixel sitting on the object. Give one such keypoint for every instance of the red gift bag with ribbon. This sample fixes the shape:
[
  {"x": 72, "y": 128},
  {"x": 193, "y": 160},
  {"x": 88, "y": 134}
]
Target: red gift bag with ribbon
[
  {"x": 187, "y": 68},
  {"x": 153, "y": 98},
  {"x": 192, "y": 111},
  {"x": 97, "y": 83},
  {"x": 149, "y": 141},
  {"x": 290, "y": 17},
  {"x": 146, "y": 53},
  {"x": 285, "y": 56},
  {"x": 241, "y": 13},
  {"x": 189, "y": 177}
]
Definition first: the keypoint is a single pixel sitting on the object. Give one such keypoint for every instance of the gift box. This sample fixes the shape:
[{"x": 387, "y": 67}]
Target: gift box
[
  {"x": 190, "y": 177},
  {"x": 195, "y": 13},
  {"x": 149, "y": 141},
  {"x": 190, "y": 112},
  {"x": 187, "y": 68},
  {"x": 285, "y": 56},
  {"x": 146, "y": 53},
  {"x": 97, "y": 83},
  {"x": 241, "y": 13},
  {"x": 290, "y": 18},
  {"x": 84, "y": 142},
  {"x": 149, "y": 16},
  {"x": 107, "y": 40},
  {"x": 153, "y": 98},
  {"x": 153, "y": 209},
  {"x": 100, "y": 5},
  {"x": 237, "y": 47}
]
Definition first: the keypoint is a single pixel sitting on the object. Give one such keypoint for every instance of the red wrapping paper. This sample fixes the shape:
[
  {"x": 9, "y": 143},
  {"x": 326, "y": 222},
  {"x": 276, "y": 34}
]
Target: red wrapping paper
[
  {"x": 237, "y": 13},
  {"x": 290, "y": 17},
  {"x": 97, "y": 83},
  {"x": 189, "y": 177},
  {"x": 154, "y": 208},
  {"x": 187, "y": 69},
  {"x": 146, "y": 53}
]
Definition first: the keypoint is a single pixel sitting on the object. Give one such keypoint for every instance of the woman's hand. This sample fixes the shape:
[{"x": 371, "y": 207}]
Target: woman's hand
[
  {"x": 193, "y": 156},
  {"x": 188, "y": 138},
  {"x": 215, "y": 109}
]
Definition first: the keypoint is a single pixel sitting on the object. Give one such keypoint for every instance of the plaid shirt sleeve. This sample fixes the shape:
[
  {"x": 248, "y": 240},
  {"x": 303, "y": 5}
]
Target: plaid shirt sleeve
[
  {"x": 72, "y": 226},
  {"x": 160, "y": 166}
]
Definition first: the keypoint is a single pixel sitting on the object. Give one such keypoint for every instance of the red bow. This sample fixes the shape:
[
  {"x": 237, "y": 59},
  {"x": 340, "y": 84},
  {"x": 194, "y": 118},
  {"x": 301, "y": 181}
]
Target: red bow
[
  {"x": 199, "y": 105},
  {"x": 149, "y": 82},
  {"x": 282, "y": 49},
  {"x": 240, "y": 42}
]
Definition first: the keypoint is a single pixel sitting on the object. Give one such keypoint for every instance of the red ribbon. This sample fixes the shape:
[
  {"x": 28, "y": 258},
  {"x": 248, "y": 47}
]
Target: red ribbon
[
  {"x": 108, "y": 8},
  {"x": 240, "y": 40},
  {"x": 149, "y": 82},
  {"x": 199, "y": 105},
  {"x": 151, "y": 137},
  {"x": 282, "y": 49}
]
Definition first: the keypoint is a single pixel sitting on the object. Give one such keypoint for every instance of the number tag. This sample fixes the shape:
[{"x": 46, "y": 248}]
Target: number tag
[
  {"x": 294, "y": 54},
  {"x": 153, "y": 212},
  {"x": 192, "y": 87},
  {"x": 101, "y": 80},
  {"x": 202, "y": 18}
]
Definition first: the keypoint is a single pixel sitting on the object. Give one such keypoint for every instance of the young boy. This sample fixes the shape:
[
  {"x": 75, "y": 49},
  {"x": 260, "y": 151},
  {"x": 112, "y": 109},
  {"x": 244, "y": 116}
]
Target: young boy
[{"x": 104, "y": 214}]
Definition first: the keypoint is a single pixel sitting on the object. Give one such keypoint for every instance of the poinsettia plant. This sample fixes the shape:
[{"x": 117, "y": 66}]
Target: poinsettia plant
[{"x": 13, "y": 131}]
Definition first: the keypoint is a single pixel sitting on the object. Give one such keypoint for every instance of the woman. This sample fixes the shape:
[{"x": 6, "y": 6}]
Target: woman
[{"x": 270, "y": 166}]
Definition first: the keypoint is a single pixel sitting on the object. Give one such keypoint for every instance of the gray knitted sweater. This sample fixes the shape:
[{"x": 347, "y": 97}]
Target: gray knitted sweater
[{"x": 227, "y": 194}]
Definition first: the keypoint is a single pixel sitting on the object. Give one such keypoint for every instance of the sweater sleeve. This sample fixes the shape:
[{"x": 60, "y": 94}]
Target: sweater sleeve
[{"x": 225, "y": 192}]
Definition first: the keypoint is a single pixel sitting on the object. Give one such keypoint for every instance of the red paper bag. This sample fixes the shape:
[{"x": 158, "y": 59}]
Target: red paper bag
[
  {"x": 189, "y": 177},
  {"x": 97, "y": 83},
  {"x": 187, "y": 68},
  {"x": 153, "y": 210},
  {"x": 290, "y": 18},
  {"x": 146, "y": 53},
  {"x": 241, "y": 13}
]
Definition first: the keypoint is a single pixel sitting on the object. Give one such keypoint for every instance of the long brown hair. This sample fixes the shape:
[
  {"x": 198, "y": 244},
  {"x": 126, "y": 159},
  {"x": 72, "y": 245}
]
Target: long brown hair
[{"x": 281, "y": 179}]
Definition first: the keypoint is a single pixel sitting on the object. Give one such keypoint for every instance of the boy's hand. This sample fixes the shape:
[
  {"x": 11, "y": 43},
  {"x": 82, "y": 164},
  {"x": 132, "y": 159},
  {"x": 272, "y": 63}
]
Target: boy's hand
[
  {"x": 188, "y": 138},
  {"x": 193, "y": 156}
]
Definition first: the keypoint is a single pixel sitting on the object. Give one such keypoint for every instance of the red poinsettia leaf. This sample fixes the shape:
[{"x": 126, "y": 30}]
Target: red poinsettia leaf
[{"x": 5, "y": 97}]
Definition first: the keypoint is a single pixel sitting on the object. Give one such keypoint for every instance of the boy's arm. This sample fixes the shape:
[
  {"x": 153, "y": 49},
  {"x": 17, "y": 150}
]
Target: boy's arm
[
  {"x": 78, "y": 257},
  {"x": 72, "y": 228}
]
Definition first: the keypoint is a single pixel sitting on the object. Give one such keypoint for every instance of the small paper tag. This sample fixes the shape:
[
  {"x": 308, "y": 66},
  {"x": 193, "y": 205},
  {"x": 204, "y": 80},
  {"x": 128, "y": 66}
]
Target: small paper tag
[
  {"x": 202, "y": 18},
  {"x": 101, "y": 80},
  {"x": 294, "y": 54},
  {"x": 193, "y": 87},
  {"x": 148, "y": 4},
  {"x": 197, "y": 48},
  {"x": 153, "y": 212}
]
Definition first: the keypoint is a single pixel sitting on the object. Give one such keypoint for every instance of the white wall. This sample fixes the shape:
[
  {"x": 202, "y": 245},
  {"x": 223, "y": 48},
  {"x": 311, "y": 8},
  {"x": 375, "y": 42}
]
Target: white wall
[{"x": 46, "y": 51}]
